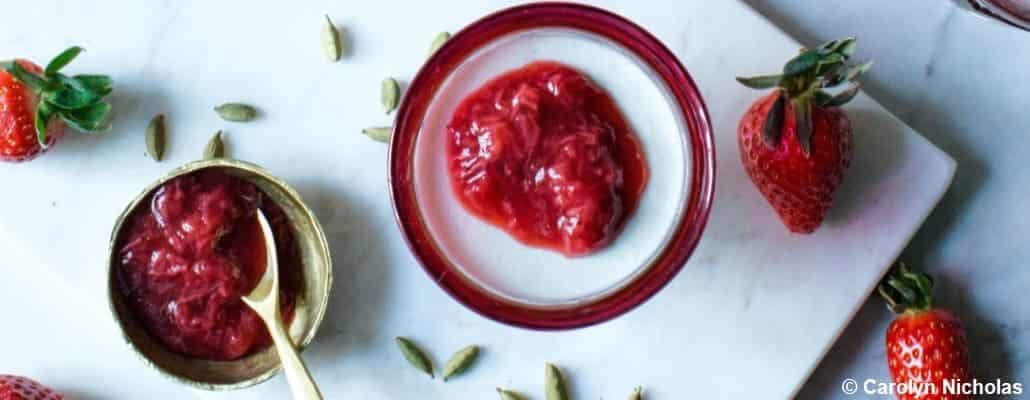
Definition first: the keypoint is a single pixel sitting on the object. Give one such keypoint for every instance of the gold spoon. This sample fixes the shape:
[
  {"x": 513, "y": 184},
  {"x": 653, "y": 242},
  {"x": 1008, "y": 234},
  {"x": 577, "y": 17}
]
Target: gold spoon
[{"x": 264, "y": 300}]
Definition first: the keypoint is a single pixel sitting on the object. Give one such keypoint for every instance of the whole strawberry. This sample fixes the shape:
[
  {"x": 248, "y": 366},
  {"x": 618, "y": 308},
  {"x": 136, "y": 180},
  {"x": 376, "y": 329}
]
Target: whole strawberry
[
  {"x": 21, "y": 388},
  {"x": 36, "y": 104},
  {"x": 926, "y": 346},
  {"x": 796, "y": 142}
]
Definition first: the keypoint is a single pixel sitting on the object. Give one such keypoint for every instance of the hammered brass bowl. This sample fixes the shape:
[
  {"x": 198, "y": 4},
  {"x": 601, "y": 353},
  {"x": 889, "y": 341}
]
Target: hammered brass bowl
[{"x": 311, "y": 300}]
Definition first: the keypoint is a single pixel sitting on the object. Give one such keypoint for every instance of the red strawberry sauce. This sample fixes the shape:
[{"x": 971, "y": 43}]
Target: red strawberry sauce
[
  {"x": 188, "y": 254},
  {"x": 545, "y": 154}
]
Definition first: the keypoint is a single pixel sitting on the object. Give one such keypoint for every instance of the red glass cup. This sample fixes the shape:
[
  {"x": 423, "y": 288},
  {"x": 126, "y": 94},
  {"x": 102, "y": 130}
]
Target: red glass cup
[
  {"x": 491, "y": 273},
  {"x": 1012, "y": 12}
]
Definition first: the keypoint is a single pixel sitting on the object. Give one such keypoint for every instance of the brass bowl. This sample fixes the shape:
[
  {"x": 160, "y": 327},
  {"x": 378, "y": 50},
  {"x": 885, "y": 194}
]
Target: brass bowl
[{"x": 311, "y": 301}]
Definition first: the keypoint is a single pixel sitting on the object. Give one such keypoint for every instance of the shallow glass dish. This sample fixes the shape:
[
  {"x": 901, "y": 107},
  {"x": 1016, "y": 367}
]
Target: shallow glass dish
[{"x": 482, "y": 266}]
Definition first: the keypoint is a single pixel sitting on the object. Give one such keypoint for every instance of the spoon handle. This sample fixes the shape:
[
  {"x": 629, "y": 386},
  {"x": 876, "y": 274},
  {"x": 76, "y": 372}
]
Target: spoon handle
[{"x": 297, "y": 375}]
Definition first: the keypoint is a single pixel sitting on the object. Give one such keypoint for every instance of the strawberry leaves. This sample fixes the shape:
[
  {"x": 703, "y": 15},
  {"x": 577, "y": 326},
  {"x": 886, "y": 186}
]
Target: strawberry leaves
[
  {"x": 906, "y": 290},
  {"x": 802, "y": 82},
  {"x": 760, "y": 82},
  {"x": 842, "y": 73},
  {"x": 824, "y": 99},
  {"x": 77, "y": 100},
  {"x": 99, "y": 84},
  {"x": 89, "y": 119},
  {"x": 43, "y": 114},
  {"x": 61, "y": 61},
  {"x": 70, "y": 98},
  {"x": 802, "y": 63},
  {"x": 773, "y": 127},
  {"x": 846, "y": 47}
]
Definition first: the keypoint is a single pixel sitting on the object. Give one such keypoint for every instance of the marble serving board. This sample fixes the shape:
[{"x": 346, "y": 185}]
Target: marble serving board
[{"x": 750, "y": 315}]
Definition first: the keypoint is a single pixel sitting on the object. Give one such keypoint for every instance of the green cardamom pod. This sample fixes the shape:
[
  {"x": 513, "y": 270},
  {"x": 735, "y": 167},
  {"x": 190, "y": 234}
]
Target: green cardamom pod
[
  {"x": 331, "y": 43},
  {"x": 460, "y": 361},
  {"x": 379, "y": 133},
  {"x": 389, "y": 94},
  {"x": 156, "y": 137},
  {"x": 415, "y": 356},
  {"x": 438, "y": 41},
  {"x": 236, "y": 112},
  {"x": 638, "y": 394},
  {"x": 215, "y": 148},
  {"x": 554, "y": 383},
  {"x": 509, "y": 395}
]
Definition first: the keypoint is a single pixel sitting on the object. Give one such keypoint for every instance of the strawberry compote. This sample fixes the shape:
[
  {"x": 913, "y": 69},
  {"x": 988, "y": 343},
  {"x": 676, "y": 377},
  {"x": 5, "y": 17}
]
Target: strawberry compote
[
  {"x": 545, "y": 154},
  {"x": 188, "y": 254}
]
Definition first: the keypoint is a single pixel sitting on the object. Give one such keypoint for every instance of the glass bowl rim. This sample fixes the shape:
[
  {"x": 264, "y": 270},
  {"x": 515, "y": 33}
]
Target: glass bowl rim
[{"x": 429, "y": 79}]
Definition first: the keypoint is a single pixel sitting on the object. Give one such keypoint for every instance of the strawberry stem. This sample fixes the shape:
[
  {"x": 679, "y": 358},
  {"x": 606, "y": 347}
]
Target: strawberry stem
[
  {"x": 77, "y": 100},
  {"x": 803, "y": 79},
  {"x": 906, "y": 291}
]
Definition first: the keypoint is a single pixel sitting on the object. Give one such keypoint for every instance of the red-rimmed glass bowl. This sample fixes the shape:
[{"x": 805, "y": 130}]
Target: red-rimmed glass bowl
[
  {"x": 1012, "y": 12},
  {"x": 489, "y": 271}
]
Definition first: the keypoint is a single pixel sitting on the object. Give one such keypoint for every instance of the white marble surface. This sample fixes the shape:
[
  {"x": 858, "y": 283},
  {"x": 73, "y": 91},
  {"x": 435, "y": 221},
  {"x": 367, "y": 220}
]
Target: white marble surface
[
  {"x": 963, "y": 82},
  {"x": 151, "y": 52}
]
